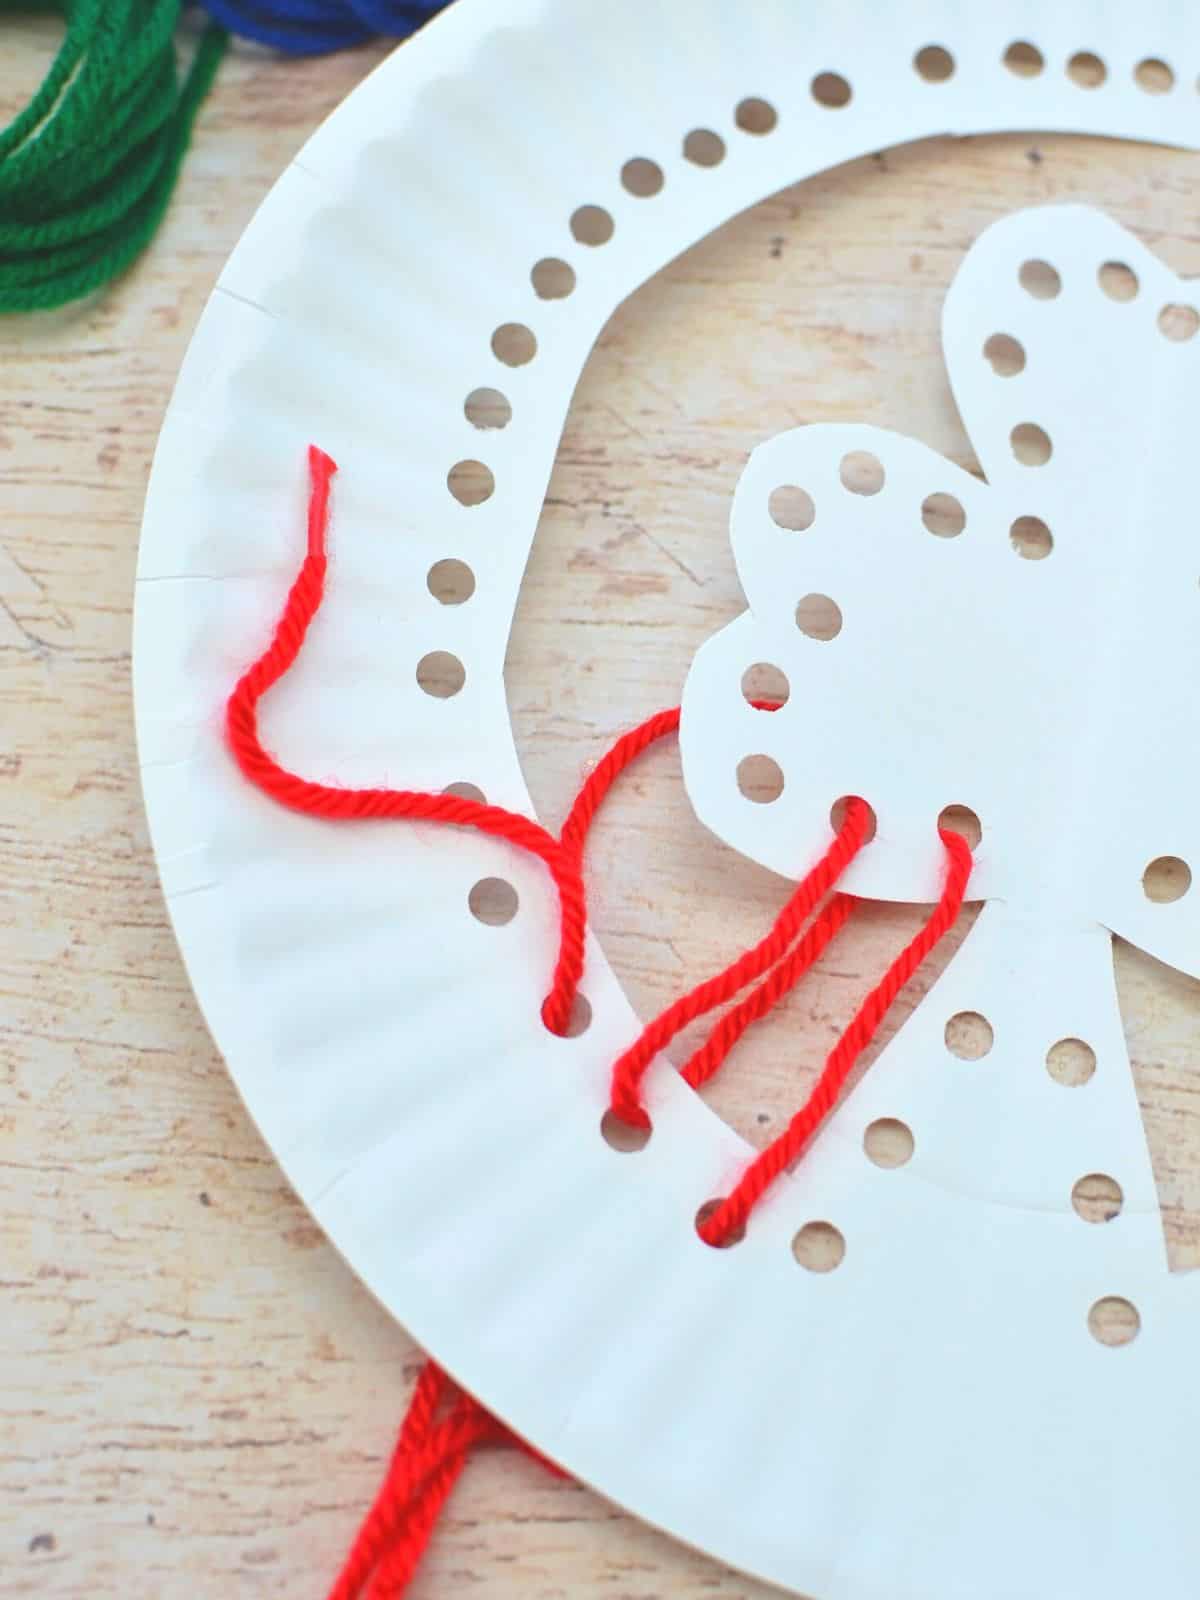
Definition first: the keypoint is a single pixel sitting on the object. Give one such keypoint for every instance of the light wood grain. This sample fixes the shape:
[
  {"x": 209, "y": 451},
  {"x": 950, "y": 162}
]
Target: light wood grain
[{"x": 196, "y": 1397}]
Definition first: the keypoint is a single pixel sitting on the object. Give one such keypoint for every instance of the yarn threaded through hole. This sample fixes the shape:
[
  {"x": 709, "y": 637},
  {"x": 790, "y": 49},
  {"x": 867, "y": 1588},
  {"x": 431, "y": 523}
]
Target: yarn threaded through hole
[
  {"x": 429, "y": 1457},
  {"x": 779, "y": 947},
  {"x": 88, "y": 167}
]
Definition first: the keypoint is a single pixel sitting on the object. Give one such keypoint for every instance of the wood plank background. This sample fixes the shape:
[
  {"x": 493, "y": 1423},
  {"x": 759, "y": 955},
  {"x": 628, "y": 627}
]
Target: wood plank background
[{"x": 195, "y": 1394}]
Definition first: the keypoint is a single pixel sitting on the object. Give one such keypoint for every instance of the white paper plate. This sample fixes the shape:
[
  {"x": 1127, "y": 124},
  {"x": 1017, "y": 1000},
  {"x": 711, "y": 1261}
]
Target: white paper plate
[{"x": 933, "y": 1418}]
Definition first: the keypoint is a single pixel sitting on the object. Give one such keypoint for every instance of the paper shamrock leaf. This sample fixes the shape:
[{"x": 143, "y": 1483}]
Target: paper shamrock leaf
[{"x": 1025, "y": 644}]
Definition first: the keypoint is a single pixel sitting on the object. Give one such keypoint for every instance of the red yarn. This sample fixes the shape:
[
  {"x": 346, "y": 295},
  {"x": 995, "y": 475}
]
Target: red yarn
[
  {"x": 613, "y": 763},
  {"x": 709, "y": 1057},
  {"x": 430, "y": 1454},
  {"x": 415, "y": 1477},
  {"x": 426, "y": 1464},
  {"x": 728, "y": 1219},
  {"x": 782, "y": 978},
  {"x": 625, "y": 1099},
  {"x": 608, "y": 769},
  {"x": 335, "y": 803}
]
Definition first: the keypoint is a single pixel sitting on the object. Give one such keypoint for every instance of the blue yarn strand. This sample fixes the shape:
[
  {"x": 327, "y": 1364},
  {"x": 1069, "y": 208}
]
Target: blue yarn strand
[{"x": 315, "y": 27}]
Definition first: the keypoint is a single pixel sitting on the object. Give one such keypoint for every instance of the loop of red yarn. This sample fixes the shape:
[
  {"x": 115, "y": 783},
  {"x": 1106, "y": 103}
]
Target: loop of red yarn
[
  {"x": 728, "y": 1219},
  {"x": 430, "y": 1454},
  {"x": 631, "y": 1067},
  {"x": 760, "y": 1002},
  {"x": 337, "y": 803}
]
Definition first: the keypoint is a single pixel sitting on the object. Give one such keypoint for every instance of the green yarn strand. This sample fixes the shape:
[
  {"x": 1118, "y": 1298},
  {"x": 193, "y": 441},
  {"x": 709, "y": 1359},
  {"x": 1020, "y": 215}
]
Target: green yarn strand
[{"x": 87, "y": 169}]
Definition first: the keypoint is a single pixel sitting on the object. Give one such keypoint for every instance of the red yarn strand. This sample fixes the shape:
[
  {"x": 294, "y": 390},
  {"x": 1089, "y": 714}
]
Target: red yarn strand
[
  {"x": 728, "y": 1219},
  {"x": 397, "y": 1568},
  {"x": 342, "y": 804},
  {"x": 608, "y": 769},
  {"x": 780, "y": 981},
  {"x": 625, "y": 1099},
  {"x": 425, "y": 1465},
  {"x": 612, "y": 764}
]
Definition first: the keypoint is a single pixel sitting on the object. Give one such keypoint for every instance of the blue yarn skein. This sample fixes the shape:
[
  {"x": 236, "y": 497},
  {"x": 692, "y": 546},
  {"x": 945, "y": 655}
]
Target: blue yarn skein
[{"x": 314, "y": 27}]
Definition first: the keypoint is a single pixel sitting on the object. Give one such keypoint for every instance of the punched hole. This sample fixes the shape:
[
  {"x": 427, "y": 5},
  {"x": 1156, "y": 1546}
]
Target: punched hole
[
  {"x": 765, "y": 682},
  {"x": 1114, "y": 1321},
  {"x": 1154, "y": 76},
  {"x": 943, "y": 515},
  {"x": 934, "y": 63},
  {"x": 1118, "y": 280},
  {"x": 466, "y": 791},
  {"x": 514, "y": 344},
  {"x": 889, "y": 1143},
  {"x": 704, "y": 148},
  {"x": 1006, "y": 354},
  {"x": 1071, "y": 1063},
  {"x": 552, "y": 279},
  {"x": 831, "y": 90},
  {"x": 1097, "y": 1198},
  {"x": 861, "y": 472},
  {"x": 1031, "y": 445},
  {"x": 1086, "y": 69},
  {"x": 819, "y": 617},
  {"x": 730, "y": 1239},
  {"x": 969, "y": 1036},
  {"x": 471, "y": 482},
  {"x": 1178, "y": 323},
  {"x": 642, "y": 178},
  {"x": 837, "y": 817},
  {"x": 580, "y": 1019},
  {"x": 819, "y": 1247},
  {"x": 756, "y": 116},
  {"x": 1031, "y": 538},
  {"x": 592, "y": 225},
  {"x": 487, "y": 408},
  {"x": 791, "y": 508},
  {"x": 1040, "y": 279},
  {"x": 1166, "y": 879},
  {"x": 961, "y": 819},
  {"x": 441, "y": 675},
  {"x": 760, "y": 779},
  {"x": 450, "y": 582},
  {"x": 1024, "y": 59},
  {"x": 623, "y": 1136},
  {"x": 493, "y": 901}
]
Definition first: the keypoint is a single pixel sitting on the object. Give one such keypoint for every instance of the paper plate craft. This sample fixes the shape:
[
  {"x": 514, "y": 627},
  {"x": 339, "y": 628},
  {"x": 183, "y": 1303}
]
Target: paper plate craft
[{"x": 989, "y": 1394}]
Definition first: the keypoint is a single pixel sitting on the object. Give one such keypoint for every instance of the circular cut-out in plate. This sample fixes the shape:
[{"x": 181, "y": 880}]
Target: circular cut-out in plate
[
  {"x": 1023, "y": 59},
  {"x": 422, "y": 1035},
  {"x": 819, "y": 1247}
]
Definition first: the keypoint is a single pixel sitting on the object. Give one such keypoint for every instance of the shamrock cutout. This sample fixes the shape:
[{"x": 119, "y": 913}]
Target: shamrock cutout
[{"x": 1024, "y": 644}]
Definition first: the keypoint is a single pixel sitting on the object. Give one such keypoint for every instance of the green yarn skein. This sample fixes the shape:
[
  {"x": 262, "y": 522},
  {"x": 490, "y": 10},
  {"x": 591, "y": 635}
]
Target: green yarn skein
[{"x": 87, "y": 169}]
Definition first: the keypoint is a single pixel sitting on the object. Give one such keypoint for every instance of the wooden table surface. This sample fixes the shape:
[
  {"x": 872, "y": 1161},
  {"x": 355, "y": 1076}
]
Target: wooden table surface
[{"x": 196, "y": 1396}]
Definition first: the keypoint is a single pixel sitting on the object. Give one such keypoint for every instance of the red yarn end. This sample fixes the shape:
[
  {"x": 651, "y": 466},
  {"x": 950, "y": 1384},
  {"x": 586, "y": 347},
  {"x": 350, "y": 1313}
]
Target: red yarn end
[
  {"x": 337, "y": 804},
  {"x": 321, "y": 469},
  {"x": 631, "y": 1112},
  {"x": 556, "y": 1013},
  {"x": 718, "y": 1228}
]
